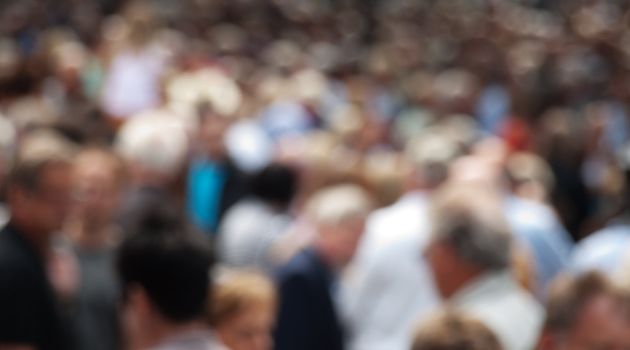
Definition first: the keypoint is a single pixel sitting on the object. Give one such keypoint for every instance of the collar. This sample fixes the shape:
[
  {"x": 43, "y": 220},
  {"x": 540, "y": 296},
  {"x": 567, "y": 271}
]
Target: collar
[{"x": 489, "y": 285}]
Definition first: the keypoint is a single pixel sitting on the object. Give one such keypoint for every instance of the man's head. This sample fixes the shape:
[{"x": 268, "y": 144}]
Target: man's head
[
  {"x": 98, "y": 176},
  {"x": 339, "y": 214},
  {"x": 40, "y": 185},
  {"x": 450, "y": 330},
  {"x": 164, "y": 269},
  {"x": 469, "y": 237},
  {"x": 586, "y": 312},
  {"x": 430, "y": 155}
]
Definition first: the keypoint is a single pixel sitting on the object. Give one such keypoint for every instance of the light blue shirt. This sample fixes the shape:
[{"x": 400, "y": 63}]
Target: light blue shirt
[{"x": 603, "y": 250}]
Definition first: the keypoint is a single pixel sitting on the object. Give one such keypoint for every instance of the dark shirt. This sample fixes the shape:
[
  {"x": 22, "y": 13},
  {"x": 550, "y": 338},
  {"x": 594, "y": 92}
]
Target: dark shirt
[
  {"x": 307, "y": 319},
  {"x": 29, "y": 312}
]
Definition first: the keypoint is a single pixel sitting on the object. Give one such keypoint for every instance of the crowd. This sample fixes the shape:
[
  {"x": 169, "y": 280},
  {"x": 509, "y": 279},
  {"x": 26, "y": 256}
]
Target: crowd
[{"x": 326, "y": 175}]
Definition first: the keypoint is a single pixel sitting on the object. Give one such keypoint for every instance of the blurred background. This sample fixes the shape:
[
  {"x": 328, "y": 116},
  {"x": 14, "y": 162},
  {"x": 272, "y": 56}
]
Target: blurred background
[{"x": 237, "y": 111}]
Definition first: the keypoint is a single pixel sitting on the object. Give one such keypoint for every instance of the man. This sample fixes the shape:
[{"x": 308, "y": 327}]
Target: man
[
  {"x": 154, "y": 146},
  {"x": 307, "y": 317},
  {"x": 214, "y": 181},
  {"x": 449, "y": 330},
  {"x": 606, "y": 249},
  {"x": 39, "y": 199},
  {"x": 469, "y": 253},
  {"x": 98, "y": 181},
  {"x": 165, "y": 275},
  {"x": 388, "y": 287},
  {"x": 586, "y": 312}
]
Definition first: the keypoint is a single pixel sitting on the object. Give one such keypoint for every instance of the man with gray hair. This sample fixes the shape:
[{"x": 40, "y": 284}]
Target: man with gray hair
[
  {"x": 307, "y": 316},
  {"x": 469, "y": 253}
]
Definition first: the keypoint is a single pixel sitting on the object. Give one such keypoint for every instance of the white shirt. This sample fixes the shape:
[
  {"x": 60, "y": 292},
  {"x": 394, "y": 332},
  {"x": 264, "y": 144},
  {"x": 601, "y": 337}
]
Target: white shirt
[
  {"x": 497, "y": 300},
  {"x": 248, "y": 235},
  {"x": 388, "y": 288}
]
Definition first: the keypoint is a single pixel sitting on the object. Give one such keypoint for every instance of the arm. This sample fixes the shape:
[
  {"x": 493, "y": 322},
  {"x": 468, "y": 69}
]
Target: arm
[
  {"x": 17, "y": 318},
  {"x": 294, "y": 329}
]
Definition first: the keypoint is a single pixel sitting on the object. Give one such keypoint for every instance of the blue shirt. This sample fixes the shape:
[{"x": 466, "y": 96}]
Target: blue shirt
[{"x": 206, "y": 180}]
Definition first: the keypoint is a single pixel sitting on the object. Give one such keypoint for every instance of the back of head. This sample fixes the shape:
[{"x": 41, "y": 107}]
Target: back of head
[
  {"x": 169, "y": 261},
  {"x": 454, "y": 331},
  {"x": 155, "y": 145},
  {"x": 470, "y": 220},
  {"x": 276, "y": 184},
  {"x": 430, "y": 155}
]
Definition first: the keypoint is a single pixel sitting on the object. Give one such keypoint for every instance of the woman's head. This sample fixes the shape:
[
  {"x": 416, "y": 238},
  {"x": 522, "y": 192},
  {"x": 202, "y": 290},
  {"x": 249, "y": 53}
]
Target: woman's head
[{"x": 242, "y": 310}]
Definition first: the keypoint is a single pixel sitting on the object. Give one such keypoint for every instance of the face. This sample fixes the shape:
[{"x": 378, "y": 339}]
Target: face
[
  {"x": 96, "y": 191},
  {"x": 600, "y": 326},
  {"x": 48, "y": 205},
  {"x": 212, "y": 134},
  {"x": 344, "y": 239},
  {"x": 250, "y": 329},
  {"x": 441, "y": 261}
]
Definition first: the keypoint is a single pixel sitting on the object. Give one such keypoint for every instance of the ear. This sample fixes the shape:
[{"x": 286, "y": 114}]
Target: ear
[
  {"x": 139, "y": 303},
  {"x": 547, "y": 341}
]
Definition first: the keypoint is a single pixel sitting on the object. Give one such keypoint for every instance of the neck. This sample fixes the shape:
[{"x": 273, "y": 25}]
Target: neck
[
  {"x": 466, "y": 275},
  {"x": 39, "y": 240},
  {"x": 162, "y": 331},
  {"x": 327, "y": 255},
  {"x": 89, "y": 234}
]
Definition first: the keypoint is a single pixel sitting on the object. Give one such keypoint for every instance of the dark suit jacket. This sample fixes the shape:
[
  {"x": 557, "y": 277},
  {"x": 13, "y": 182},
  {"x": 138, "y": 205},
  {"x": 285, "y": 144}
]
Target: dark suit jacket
[
  {"x": 29, "y": 312},
  {"x": 307, "y": 319}
]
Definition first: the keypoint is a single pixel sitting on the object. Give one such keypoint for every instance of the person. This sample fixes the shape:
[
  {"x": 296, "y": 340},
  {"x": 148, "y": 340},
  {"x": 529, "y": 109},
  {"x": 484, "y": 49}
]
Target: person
[
  {"x": 154, "y": 146},
  {"x": 39, "y": 200},
  {"x": 451, "y": 330},
  {"x": 382, "y": 307},
  {"x": 586, "y": 312},
  {"x": 252, "y": 226},
  {"x": 243, "y": 310},
  {"x": 98, "y": 180},
  {"x": 308, "y": 317},
  {"x": 469, "y": 253},
  {"x": 605, "y": 249},
  {"x": 214, "y": 181},
  {"x": 164, "y": 270}
]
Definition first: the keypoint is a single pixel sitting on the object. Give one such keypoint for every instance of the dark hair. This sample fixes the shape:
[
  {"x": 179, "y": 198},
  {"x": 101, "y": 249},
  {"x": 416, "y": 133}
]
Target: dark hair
[
  {"x": 163, "y": 255},
  {"x": 38, "y": 152},
  {"x": 570, "y": 294},
  {"x": 275, "y": 183}
]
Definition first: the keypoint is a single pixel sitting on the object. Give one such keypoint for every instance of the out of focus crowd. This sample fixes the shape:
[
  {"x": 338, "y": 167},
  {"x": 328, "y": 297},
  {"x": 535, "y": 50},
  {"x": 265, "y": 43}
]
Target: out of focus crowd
[{"x": 339, "y": 174}]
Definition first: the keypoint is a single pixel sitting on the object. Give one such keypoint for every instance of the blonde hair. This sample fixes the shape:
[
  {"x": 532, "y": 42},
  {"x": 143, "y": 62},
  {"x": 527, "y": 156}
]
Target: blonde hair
[
  {"x": 235, "y": 291},
  {"x": 450, "y": 330},
  {"x": 332, "y": 205}
]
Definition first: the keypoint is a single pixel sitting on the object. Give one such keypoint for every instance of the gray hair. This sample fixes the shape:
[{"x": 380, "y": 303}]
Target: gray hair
[
  {"x": 156, "y": 140},
  {"x": 471, "y": 221},
  {"x": 333, "y": 205}
]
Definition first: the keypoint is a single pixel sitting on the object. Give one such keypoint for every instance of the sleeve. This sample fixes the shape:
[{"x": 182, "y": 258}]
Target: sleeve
[{"x": 295, "y": 312}]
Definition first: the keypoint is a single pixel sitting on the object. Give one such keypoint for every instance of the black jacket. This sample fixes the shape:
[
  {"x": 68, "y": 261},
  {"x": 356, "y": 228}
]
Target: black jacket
[
  {"x": 29, "y": 312},
  {"x": 307, "y": 319}
]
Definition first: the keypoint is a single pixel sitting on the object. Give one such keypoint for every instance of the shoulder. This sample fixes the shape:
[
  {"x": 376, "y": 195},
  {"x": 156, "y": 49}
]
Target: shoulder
[
  {"x": 602, "y": 249},
  {"x": 303, "y": 270}
]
